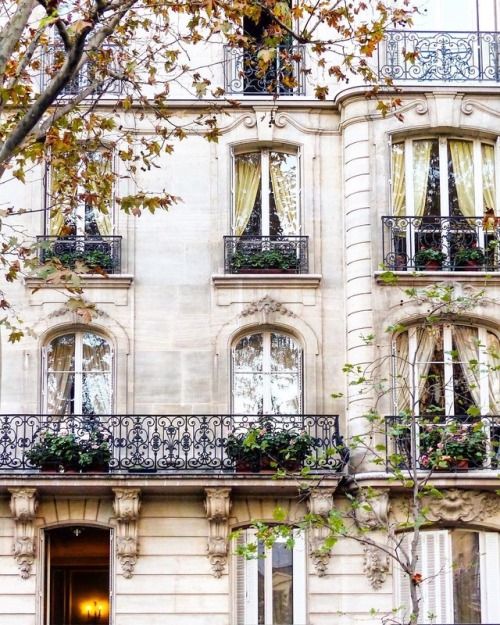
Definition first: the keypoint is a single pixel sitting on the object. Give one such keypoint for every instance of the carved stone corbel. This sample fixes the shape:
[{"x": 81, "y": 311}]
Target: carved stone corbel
[
  {"x": 373, "y": 512},
  {"x": 126, "y": 506},
  {"x": 23, "y": 505},
  {"x": 319, "y": 504},
  {"x": 375, "y": 566},
  {"x": 217, "y": 507}
]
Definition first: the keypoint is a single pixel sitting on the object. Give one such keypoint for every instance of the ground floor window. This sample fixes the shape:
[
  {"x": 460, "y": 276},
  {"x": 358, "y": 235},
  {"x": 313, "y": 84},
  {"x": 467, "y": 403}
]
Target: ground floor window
[{"x": 77, "y": 576}]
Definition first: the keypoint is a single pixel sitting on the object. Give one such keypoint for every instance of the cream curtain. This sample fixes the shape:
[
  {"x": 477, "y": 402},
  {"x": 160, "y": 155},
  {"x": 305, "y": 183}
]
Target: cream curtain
[
  {"x": 96, "y": 383},
  {"x": 488, "y": 157},
  {"x": 248, "y": 172},
  {"x": 427, "y": 339},
  {"x": 421, "y": 165},
  {"x": 284, "y": 190},
  {"x": 99, "y": 183},
  {"x": 402, "y": 383},
  {"x": 463, "y": 168},
  {"x": 398, "y": 180},
  {"x": 60, "y": 375},
  {"x": 493, "y": 349},
  {"x": 468, "y": 354}
]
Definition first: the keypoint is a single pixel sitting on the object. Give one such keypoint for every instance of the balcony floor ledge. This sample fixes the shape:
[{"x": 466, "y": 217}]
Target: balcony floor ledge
[
  {"x": 482, "y": 479},
  {"x": 90, "y": 281},
  {"x": 405, "y": 278},
  {"x": 157, "y": 484},
  {"x": 278, "y": 280}
]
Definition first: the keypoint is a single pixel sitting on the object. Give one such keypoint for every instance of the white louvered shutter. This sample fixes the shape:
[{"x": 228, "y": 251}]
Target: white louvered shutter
[
  {"x": 489, "y": 546},
  {"x": 246, "y": 574}
]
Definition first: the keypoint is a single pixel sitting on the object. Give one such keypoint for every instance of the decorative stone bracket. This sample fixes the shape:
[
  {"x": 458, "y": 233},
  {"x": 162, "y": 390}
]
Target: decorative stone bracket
[
  {"x": 126, "y": 507},
  {"x": 373, "y": 512},
  {"x": 375, "y": 566},
  {"x": 320, "y": 503},
  {"x": 23, "y": 505},
  {"x": 217, "y": 507}
]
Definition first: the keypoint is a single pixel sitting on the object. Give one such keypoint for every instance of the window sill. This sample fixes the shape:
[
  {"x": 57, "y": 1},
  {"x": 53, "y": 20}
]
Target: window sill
[
  {"x": 404, "y": 278},
  {"x": 278, "y": 280},
  {"x": 89, "y": 281}
]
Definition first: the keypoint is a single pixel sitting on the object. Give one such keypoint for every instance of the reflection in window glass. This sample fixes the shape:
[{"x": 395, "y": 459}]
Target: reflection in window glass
[{"x": 466, "y": 577}]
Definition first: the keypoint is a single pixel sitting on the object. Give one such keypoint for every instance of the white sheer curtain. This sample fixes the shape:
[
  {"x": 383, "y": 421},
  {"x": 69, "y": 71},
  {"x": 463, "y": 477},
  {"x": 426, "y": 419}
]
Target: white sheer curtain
[
  {"x": 488, "y": 165},
  {"x": 60, "y": 375},
  {"x": 493, "y": 348},
  {"x": 463, "y": 168},
  {"x": 398, "y": 180},
  {"x": 283, "y": 180},
  {"x": 96, "y": 367},
  {"x": 402, "y": 383},
  {"x": 468, "y": 354},
  {"x": 248, "y": 174},
  {"x": 427, "y": 339},
  {"x": 98, "y": 183},
  {"x": 421, "y": 165}
]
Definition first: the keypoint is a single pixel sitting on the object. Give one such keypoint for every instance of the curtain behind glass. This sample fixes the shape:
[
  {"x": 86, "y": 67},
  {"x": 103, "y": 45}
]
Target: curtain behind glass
[
  {"x": 247, "y": 375},
  {"x": 398, "y": 180},
  {"x": 466, "y": 344},
  {"x": 282, "y": 581},
  {"x": 248, "y": 171},
  {"x": 402, "y": 382},
  {"x": 427, "y": 339},
  {"x": 98, "y": 183},
  {"x": 60, "y": 375},
  {"x": 96, "y": 375},
  {"x": 421, "y": 166},
  {"x": 463, "y": 170},
  {"x": 488, "y": 171},
  {"x": 283, "y": 173},
  {"x": 493, "y": 350},
  {"x": 466, "y": 577}
]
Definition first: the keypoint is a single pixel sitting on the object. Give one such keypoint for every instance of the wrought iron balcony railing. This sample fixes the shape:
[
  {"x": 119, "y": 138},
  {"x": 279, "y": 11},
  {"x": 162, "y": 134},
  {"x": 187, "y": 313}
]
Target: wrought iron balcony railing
[
  {"x": 98, "y": 254},
  {"x": 440, "y": 243},
  {"x": 249, "y": 254},
  {"x": 443, "y": 56},
  {"x": 454, "y": 443},
  {"x": 284, "y": 74},
  {"x": 166, "y": 443}
]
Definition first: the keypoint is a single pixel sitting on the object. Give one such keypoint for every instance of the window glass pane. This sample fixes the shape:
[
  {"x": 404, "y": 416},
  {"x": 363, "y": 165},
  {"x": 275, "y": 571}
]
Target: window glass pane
[
  {"x": 248, "y": 393},
  {"x": 60, "y": 375},
  {"x": 426, "y": 177},
  {"x": 96, "y": 393},
  {"x": 466, "y": 577},
  {"x": 96, "y": 353},
  {"x": 248, "y": 353},
  {"x": 285, "y": 394},
  {"x": 282, "y": 584},
  {"x": 461, "y": 178},
  {"x": 261, "y": 588},
  {"x": 398, "y": 179},
  {"x": 283, "y": 218},
  {"x": 247, "y": 200},
  {"x": 284, "y": 353},
  {"x": 493, "y": 367}
]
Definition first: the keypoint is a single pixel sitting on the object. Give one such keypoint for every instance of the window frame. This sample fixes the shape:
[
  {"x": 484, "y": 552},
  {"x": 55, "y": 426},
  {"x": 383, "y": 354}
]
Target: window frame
[
  {"x": 77, "y": 369},
  {"x": 264, "y": 152},
  {"x": 266, "y": 360},
  {"x": 250, "y": 609},
  {"x": 443, "y": 140}
]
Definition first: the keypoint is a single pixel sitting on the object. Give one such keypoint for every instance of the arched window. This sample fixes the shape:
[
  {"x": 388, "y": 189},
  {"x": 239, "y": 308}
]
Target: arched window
[
  {"x": 267, "y": 374},
  {"x": 447, "y": 369},
  {"x": 266, "y": 194},
  {"x": 460, "y": 577},
  {"x": 78, "y": 370},
  {"x": 271, "y": 589}
]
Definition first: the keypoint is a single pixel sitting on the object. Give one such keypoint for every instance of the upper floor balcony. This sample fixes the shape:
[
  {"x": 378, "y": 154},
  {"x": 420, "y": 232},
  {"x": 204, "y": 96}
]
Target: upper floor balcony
[
  {"x": 166, "y": 444},
  {"x": 438, "y": 443},
  {"x": 266, "y": 254},
  {"x": 423, "y": 56},
  {"x": 433, "y": 243},
  {"x": 284, "y": 74},
  {"x": 98, "y": 254}
]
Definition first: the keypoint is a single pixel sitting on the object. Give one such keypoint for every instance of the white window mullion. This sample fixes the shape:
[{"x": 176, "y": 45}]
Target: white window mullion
[
  {"x": 414, "y": 371},
  {"x": 268, "y": 587},
  {"x": 299, "y": 579},
  {"x": 449, "y": 397},
  {"x": 265, "y": 188},
  {"x": 410, "y": 198},
  {"x": 483, "y": 371},
  {"x": 478, "y": 179},
  {"x": 266, "y": 373},
  {"x": 251, "y": 609},
  {"x": 497, "y": 176},
  {"x": 233, "y": 193},
  {"x": 78, "y": 388}
]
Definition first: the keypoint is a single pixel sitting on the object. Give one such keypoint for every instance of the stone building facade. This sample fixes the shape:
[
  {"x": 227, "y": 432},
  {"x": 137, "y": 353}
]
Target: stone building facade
[{"x": 187, "y": 343}]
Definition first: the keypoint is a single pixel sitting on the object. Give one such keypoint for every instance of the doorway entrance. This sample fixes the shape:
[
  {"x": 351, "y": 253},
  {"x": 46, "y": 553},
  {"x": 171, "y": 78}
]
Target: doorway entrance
[{"x": 77, "y": 576}]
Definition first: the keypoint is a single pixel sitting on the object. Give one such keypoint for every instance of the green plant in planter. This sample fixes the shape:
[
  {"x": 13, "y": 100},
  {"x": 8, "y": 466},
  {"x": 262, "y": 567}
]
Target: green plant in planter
[
  {"x": 472, "y": 255},
  {"x": 264, "y": 445},
  {"x": 425, "y": 256},
  {"x": 448, "y": 444},
  {"x": 93, "y": 260},
  {"x": 264, "y": 259},
  {"x": 64, "y": 451}
]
